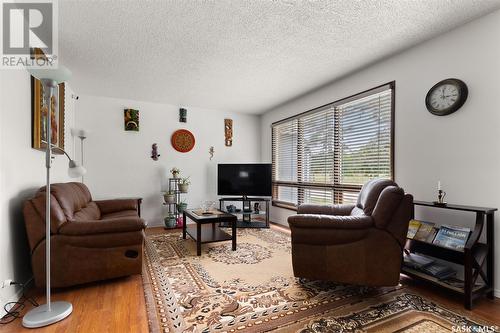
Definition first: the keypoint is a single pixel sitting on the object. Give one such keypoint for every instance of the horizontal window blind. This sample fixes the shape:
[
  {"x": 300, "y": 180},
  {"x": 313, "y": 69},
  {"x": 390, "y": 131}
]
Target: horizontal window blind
[{"x": 324, "y": 156}]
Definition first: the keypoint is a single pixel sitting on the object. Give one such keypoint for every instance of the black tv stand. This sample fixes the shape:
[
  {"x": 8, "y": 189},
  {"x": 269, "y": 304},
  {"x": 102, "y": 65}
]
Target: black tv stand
[{"x": 248, "y": 217}]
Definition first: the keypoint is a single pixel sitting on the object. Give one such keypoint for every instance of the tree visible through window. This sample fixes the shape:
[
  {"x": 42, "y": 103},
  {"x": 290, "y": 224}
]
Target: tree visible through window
[{"x": 325, "y": 155}]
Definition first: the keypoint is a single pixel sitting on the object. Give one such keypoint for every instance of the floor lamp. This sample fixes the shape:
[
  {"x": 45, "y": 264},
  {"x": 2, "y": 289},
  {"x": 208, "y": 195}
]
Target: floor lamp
[
  {"x": 82, "y": 134},
  {"x": 50, "y": 312}
]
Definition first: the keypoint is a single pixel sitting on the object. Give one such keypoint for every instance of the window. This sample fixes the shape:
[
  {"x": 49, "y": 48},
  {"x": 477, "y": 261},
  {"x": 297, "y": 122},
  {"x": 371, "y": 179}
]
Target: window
[{"x": 325, "y": 155}]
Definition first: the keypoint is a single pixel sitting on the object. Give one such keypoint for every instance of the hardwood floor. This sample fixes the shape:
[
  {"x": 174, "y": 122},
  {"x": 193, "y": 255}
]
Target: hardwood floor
[
  {"x": 118, "y": 305},
  {"x": 113, "y": 306}
]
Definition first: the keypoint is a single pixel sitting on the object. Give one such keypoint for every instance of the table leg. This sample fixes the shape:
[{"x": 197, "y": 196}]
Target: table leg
[
  {"x": 490, "y": 259},
  {"x": 233, "y": 229},
  {"x": 184, "y": 225},
  {"x": 198, "y": 239},
  {"x": 468, "y": 280}
]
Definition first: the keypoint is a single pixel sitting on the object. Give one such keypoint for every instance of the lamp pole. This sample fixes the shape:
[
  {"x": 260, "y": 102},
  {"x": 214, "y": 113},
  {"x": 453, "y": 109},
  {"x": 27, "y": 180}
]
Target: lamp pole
[{"x": 48, "y": 85}]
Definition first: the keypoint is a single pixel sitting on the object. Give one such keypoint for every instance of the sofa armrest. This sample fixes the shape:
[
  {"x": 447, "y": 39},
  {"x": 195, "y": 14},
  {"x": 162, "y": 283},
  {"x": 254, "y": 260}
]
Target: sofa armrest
[
  {"x": 341, "y": 210},
  {"x": 102, "y": 226},
  {"x": 116, "y": 205},
  {"x": 331, "y": 222}
]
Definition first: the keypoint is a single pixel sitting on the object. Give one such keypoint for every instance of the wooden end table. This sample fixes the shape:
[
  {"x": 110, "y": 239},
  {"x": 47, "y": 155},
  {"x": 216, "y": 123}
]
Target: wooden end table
[{"x": 211, "y": 232}]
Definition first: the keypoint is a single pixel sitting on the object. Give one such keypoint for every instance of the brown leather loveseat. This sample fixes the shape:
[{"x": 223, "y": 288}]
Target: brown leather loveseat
[
  {"x": 357, "y": 244},
  {"x": 90, "y": 241}
]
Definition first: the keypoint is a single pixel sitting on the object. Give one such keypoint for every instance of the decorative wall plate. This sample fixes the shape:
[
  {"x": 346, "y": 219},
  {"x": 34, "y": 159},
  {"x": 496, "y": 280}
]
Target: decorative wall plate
[{"x": 183, "y": 140}]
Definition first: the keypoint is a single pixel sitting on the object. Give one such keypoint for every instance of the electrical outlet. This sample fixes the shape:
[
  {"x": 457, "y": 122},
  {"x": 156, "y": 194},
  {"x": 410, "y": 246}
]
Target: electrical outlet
[{"x": 6, "y": 283}]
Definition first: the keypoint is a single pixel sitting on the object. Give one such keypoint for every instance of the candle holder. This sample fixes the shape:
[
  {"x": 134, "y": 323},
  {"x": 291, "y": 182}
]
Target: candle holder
[{"x": 440, "y": 198}]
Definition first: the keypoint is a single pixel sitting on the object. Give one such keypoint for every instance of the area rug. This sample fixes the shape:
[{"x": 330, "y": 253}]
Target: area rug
[{"x": 253, "y": 290}]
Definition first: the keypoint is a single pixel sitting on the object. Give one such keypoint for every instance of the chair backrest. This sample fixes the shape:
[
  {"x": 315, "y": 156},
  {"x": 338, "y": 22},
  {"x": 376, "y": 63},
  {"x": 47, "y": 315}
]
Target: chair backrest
[
  {"x": 370, "y": 193},
  {"x": 388, "y": 205}
]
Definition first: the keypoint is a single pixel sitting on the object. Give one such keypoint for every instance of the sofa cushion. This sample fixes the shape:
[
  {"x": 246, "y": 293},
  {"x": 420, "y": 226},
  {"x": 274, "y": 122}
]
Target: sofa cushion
[
  {"x": 72, "y": 198},
  {"x": 123, "y": 213},
  {"x": 90, "y": 212}
]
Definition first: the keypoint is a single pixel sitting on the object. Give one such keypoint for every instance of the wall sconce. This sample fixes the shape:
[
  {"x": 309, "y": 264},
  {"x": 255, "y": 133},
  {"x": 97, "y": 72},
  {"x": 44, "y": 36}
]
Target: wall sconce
[{"x": 183, "y": 115}]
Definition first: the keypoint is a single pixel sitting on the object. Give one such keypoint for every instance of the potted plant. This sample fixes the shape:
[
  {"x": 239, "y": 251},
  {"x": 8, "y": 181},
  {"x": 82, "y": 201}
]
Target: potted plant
[
  {"x": 184, "y": 185},
  {"x": 170, "y": 221},
  {"x": 169, "y": 197},
  {"x": 175, "y": 172},
  {"x": 181, "y": 206}
]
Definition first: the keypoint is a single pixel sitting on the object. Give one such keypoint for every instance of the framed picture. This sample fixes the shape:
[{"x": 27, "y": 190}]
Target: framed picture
[
  {"x": 131, "y": 118},
  {"x": 38, "y": 116}
]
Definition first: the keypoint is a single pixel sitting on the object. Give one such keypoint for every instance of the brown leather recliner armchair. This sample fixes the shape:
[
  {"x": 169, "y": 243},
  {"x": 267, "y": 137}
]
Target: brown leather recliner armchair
[
  {"x": 356, "y": 244},
  {"x": 90, "y": 241}
]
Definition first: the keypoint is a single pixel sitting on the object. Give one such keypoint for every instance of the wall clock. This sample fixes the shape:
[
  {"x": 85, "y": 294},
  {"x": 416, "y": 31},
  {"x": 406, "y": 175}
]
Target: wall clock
[
  {"x": 446, "y": 97},
  {"x": 183, "y": 140}
]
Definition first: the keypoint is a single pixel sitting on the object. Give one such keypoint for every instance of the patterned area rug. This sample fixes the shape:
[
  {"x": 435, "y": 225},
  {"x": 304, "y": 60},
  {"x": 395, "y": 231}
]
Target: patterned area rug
[{"x": 253, "y": 290}]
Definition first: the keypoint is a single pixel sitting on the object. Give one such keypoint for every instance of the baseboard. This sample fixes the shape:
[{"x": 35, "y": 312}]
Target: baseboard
[{"x": 17, "y": 295}]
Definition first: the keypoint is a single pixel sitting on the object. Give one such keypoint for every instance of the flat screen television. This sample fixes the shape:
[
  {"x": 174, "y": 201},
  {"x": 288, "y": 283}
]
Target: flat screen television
[{"x": 244, "y": 179}]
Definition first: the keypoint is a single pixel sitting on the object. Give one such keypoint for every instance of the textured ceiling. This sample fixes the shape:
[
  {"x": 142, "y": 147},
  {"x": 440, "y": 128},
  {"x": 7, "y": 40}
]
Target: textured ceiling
[{"x": 245, "y": 56}]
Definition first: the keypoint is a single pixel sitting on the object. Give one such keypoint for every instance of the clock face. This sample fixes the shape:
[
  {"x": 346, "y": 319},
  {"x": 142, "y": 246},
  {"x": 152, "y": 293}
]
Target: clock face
[{"x": 446, "y": 97}]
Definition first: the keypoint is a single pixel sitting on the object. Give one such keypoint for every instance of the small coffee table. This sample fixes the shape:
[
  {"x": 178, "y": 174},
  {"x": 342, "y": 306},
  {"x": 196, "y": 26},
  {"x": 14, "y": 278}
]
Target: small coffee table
[{"x": 211, "y": 232}]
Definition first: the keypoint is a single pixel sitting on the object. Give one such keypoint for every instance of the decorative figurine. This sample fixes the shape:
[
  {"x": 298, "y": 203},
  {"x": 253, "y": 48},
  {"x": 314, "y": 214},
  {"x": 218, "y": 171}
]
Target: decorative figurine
[
  {"x": 256, "y": 207},
  {"x": 211, "y": 151},
  {"x": 440, "y": 196},
  {"x": 228, "y": 132},
  {"x": 183, "y": 115},
  {"x": 154, "y": 152}
]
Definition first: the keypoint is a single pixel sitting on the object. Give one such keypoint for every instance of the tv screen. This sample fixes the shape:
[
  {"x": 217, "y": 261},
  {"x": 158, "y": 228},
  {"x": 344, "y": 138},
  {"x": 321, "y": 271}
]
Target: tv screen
[{"x": 244, "y": 179}]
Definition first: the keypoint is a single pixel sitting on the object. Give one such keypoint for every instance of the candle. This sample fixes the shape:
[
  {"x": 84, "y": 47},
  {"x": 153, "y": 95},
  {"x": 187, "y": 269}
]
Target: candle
[{"x": 439, "y": 185}]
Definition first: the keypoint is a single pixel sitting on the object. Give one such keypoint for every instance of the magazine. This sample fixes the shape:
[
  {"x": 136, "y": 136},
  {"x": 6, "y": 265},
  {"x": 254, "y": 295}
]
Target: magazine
[
  {"x": 439, "y": 271},
  {"x": 413, "y": 228},
  {"x": 417, "y": 261},
  {"x": 432, "y": 234},
  {"x": 453, "y": 237},
  {"x": 426, "y": 228}
]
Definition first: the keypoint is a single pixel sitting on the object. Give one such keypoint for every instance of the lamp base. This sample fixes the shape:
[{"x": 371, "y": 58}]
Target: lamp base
[{"x": 40, "y": 316}]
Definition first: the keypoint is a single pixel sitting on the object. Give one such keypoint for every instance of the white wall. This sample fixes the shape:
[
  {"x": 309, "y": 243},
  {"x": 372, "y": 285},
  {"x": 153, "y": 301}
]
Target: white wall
[
  {"x": 22, "y": 172},
  {"x": 462, "y": 150},
  {"x": 118, "y": 162}
]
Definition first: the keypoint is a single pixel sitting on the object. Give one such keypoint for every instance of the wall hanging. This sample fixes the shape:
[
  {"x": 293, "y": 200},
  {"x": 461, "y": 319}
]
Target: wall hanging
[
  {"x": 38, "y": 112},
  {"x": 446, "y": 97},
  {"x": 211, "y": 152},
  {"x": 183, "y": 115},
  {"x": 154, "y": 152},
  {"x": 183, "y": 140},
  {"x": 228, "y": 132},
  {"x": 131, "y": 120}
]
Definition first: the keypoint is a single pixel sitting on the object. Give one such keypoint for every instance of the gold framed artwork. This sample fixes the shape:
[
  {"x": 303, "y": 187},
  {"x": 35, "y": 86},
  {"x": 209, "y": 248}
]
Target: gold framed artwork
[
  {"x": 228, "y": 132},
  {"x": 38, "y": 119}
]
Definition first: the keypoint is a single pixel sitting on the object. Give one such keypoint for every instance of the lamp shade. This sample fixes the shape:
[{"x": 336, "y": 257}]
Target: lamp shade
[
  {"x": 60, "y": 74},
  {"x": 75, "y": 170},
  {"x": 79, "y": 132}
]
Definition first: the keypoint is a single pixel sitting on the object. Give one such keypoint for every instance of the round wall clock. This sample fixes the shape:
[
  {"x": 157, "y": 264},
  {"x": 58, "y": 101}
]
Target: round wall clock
[
  {"x": 183, "y": 140},
  {"x": 446, "y": 97}
]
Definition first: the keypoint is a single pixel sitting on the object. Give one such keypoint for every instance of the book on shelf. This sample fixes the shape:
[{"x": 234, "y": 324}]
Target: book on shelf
[
  {"x": 457, "y": 283},
  {"x": 417, "y": 261},
  {"x": 432, "y": 235},
  {"x": 413, "y": 228},
  {"x": 424, "y": 231},
  {"x": 453, "y": 237},
  {"x": 439, "y": 270}
]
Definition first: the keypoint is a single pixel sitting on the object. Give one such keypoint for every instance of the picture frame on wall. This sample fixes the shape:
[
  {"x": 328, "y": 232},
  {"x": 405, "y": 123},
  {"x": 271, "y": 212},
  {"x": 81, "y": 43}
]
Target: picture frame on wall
[{"x": 38, "y": 119}]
